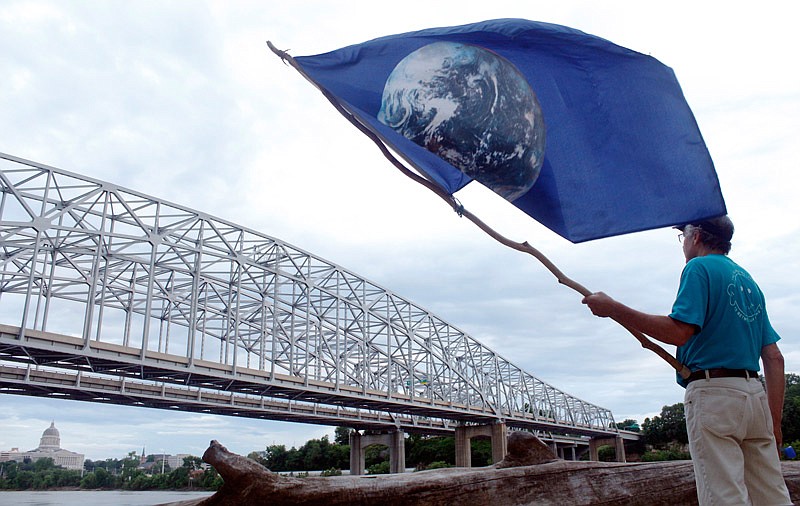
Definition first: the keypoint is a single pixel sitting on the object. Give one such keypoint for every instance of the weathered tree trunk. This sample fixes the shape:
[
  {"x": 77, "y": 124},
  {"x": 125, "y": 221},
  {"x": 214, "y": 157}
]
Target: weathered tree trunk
[{"x": 530, "y": 475}]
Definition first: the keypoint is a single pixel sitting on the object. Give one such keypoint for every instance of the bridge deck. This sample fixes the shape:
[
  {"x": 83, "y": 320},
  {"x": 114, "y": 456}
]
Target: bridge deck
[{"x": 199, "y": 385}]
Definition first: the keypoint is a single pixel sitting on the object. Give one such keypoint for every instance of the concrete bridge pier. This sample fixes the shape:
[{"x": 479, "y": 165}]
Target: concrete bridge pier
[
  {"x": 616, "y": 442},
  {"x": 497, "y": 433},
  {"x": 565, "y": 451},
  {"x": 394, "y": 440}
]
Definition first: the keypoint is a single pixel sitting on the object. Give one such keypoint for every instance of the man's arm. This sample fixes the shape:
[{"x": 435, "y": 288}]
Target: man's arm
[
  {"x": 775, "y": 380},
  {"x": 663, "y": 328}
]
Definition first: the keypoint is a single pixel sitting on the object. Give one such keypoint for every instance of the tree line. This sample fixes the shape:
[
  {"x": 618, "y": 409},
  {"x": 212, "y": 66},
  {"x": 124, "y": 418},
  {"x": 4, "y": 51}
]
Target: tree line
[
  {"x": 109, "y": 474},
  {"x": 422, "y": 452}
]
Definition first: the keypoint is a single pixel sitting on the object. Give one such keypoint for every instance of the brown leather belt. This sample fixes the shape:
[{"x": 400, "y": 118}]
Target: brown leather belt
[{"x": 721, "y": 373}]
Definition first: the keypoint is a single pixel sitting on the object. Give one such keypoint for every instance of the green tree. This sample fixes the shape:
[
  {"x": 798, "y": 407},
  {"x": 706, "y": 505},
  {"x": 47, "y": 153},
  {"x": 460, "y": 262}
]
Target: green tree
[
  {"x": 438, "y": 465},
  {"x": 314, "y": 454},
  {"x": 88, "y": 465},
  {"x": 25, "y": 480},
  {"x": 480, "y": 452},
  {"x": 667, "y": 428},
  {"x": 129, "y": 467},
  {"x": 421, "y": 451},
  {"x": 44, "y": 464},
  {"x": 211, "y": 480},
  {"x": 379, "y": 468},
  {"x": 140, "y": 482},
  {"x": 606, "y": 453},
  {"x": 192, "y": 463},
  {"x": 275, "y": 458},
  {"x": 341, "y": 435},
  {"x": 294, "y": 460},
  {"x": 179, "y": 478},
  {"x": 104, "y": 479},
  {"x": 339, "y": 456},
  {"x": 89, "y": 481},
  {"x": 669, "y": 453},
  {"x": 375, "y": 455},
  {"x": 159, "y": 481},
  {"x": 65, "y": 477},
  {"x": 790, "y": 424},
  {"x": 10, "y": 470}
]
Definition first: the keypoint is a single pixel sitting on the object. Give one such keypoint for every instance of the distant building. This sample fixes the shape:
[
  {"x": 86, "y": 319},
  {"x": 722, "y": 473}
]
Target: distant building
[
  {"x": 153, "y": 463},
  {"x": 49, "y": 447},
  {"x": 176, "y": 461},
  {"x": 8, "y": 455}
]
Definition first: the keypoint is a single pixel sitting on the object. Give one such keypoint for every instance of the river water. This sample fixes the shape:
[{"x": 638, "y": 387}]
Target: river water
[{"x": 96, "y": 497}]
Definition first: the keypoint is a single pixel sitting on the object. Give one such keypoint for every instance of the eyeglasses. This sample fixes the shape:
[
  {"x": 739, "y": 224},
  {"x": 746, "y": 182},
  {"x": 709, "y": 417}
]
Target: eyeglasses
[{"x": 680, "y": 237}]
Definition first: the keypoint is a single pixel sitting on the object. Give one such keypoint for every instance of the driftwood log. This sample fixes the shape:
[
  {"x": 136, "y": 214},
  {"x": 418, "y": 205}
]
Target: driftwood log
[{"x": 529, "y": 475}]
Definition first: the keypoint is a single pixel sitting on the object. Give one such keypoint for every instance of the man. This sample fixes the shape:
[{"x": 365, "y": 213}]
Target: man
[{"x": 719, "y": 324}]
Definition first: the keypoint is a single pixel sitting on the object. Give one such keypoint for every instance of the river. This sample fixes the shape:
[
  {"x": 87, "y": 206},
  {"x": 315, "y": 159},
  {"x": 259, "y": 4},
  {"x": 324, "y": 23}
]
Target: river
[{"x": 95, "y": 497}]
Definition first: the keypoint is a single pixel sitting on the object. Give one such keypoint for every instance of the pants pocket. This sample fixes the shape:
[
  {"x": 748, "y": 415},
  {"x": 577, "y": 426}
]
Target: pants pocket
[
  {"x": 762, "y": 398},
  {"x": 720, "y": 411}
]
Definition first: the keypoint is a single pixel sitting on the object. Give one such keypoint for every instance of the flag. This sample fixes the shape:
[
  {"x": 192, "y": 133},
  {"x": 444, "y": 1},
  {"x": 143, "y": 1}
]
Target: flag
[{"x": 587, "y": 137}]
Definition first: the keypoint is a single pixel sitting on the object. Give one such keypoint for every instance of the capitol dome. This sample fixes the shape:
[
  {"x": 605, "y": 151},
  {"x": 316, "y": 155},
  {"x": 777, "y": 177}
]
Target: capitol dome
[
  {"x": 49, "y": 448},
  {"x": 51, "y": 439}
]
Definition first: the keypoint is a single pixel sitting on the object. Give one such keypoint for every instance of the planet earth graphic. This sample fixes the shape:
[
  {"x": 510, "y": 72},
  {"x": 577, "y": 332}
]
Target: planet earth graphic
[{"x": 472, "y": 108}]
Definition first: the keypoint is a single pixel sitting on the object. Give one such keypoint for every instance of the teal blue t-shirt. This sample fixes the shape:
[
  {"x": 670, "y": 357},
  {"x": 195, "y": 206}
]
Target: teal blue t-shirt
[{"x": 724, "y": 302}]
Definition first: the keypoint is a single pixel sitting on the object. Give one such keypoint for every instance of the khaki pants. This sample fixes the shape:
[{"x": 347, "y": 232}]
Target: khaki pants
[{"x": 733, "y": 448}]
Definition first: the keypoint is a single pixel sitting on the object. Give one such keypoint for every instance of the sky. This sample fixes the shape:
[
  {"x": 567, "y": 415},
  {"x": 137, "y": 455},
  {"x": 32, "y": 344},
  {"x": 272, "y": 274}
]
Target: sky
[{"x": 182, "y": 100}]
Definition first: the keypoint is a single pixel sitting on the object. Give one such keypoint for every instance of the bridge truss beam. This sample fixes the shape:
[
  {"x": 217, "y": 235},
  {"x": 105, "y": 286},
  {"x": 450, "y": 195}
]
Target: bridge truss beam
[{"x": 116, "y": 268}]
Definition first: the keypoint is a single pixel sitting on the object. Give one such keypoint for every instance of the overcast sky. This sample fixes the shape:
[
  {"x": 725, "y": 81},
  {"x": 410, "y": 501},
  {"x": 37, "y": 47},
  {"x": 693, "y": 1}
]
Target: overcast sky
[{"x": 183, "y": 101}]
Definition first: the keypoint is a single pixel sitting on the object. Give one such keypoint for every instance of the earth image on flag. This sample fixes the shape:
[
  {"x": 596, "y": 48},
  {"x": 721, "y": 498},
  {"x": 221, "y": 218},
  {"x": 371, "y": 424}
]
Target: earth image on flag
[{"x": 472, "y": 108}]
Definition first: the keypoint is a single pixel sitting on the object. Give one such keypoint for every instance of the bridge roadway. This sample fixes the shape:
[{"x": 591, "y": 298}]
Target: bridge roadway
[{"x": 68, "y": 367}]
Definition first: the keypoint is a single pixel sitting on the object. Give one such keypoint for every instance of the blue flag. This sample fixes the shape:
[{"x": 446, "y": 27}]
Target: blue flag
[{"x": 589, "y": 138}]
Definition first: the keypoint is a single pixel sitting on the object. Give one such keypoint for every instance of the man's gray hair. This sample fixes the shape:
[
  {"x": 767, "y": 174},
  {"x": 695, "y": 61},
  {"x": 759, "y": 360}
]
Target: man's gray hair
[{"x": 716, "y": 233}]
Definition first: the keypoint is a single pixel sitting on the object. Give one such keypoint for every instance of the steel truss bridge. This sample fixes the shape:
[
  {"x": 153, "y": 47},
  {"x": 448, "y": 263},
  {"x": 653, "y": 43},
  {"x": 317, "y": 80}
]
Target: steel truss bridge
[{"x": 109, "y": 295}]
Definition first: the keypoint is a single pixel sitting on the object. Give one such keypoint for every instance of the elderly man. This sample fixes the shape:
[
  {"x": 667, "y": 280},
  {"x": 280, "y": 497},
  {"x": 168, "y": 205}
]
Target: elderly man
[{"x": 719, "y": 324}]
